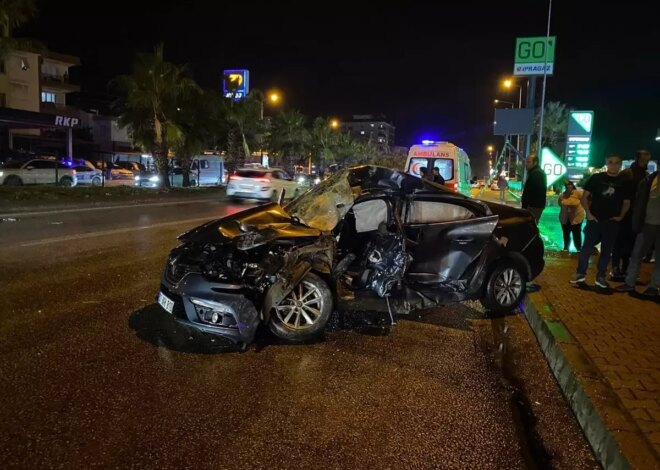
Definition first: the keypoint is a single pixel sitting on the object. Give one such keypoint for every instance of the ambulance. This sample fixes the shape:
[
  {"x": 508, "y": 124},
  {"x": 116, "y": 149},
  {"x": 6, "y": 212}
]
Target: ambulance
[{"x": 452, "y": 162}]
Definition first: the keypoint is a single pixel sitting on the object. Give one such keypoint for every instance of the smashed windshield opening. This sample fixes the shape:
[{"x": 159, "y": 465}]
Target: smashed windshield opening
[{"x": 325, "y": 205}]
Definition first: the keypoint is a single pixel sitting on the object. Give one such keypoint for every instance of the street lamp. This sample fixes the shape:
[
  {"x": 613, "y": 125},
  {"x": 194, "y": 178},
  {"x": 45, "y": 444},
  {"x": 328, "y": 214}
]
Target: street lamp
[
  {"x": 334, "y": 123},
  {"x": 505, "y": 102},
  {"x": 508, "y": 84},
  {"x": 657, "y": 136},
  {"x": 274, "y": 98}
]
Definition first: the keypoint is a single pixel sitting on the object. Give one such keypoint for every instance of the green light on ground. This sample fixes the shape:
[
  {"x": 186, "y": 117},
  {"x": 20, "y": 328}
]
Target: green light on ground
[{"x": 551, "y": 231}]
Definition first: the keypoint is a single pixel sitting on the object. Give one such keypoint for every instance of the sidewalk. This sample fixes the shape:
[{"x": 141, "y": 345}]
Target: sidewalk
[{"x": 604, "y": 349}]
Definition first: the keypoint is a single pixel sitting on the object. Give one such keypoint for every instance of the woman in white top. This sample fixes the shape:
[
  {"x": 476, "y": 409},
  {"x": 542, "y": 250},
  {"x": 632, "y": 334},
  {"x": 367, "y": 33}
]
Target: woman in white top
[{"x": 571, "y": 215}]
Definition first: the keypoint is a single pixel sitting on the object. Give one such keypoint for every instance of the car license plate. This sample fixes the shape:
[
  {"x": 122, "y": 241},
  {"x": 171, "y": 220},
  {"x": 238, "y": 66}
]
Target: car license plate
[
  {"x": 246, "y": 186},
  {"x": 165, "y": 302}
]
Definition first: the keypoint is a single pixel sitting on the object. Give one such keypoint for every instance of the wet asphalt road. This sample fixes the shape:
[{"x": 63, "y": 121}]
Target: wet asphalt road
[{"x": 93, "y": 374}]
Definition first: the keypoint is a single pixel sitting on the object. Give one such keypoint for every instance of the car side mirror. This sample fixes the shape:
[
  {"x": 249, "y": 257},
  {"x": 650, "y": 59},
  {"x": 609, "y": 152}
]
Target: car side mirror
[{"x": 280, "y": 199}]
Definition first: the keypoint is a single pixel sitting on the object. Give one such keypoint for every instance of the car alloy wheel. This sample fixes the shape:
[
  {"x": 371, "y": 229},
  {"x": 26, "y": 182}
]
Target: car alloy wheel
[
  {"x": 66, "y": 182},
  {"x": 302, "y": 308},
  {"x": 508, "y": 286},
  {"x": 303, "y": 314}
]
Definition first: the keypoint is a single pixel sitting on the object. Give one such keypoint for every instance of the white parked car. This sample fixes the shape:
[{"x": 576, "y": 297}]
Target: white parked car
[
  {"x": 263, "y": 184},
  {"x": 38, "y": 171}
]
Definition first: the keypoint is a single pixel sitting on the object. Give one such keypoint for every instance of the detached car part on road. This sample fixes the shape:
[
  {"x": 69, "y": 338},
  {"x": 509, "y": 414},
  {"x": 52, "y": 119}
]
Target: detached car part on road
[{"x": 367, "y": 239}]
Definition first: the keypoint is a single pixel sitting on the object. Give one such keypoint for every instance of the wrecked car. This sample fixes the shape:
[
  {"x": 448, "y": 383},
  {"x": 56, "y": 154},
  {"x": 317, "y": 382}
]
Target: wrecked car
[{"x": 366, "y": 239}]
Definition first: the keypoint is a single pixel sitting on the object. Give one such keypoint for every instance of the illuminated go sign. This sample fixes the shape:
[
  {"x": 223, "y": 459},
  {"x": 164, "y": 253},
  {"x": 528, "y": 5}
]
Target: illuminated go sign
[
  {"x": 552, "y": 165},
  {"x": 578, "y": 140},
  {"x": 236, "y": 83},
  {"x": 534, "y": 56}
]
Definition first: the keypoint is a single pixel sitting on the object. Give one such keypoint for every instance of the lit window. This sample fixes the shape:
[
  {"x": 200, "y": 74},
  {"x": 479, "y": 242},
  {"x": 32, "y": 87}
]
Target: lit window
[
  {"x": 47, "y": 97},
  {"x": 24, "y": 64}
]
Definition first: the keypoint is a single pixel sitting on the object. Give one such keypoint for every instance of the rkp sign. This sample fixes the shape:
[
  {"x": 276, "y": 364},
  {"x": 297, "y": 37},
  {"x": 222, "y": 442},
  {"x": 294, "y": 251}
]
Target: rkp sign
[{"x": 65, "y": 121}]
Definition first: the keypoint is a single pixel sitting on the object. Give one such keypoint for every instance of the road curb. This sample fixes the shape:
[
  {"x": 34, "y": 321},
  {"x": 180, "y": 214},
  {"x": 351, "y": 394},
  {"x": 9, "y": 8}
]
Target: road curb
[{"x": 615, "y": 438}]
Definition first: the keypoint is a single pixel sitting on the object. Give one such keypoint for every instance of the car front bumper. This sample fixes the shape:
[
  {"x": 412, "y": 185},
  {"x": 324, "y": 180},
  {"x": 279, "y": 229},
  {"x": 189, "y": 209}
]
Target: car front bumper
[{"x": 197, "y": 299}]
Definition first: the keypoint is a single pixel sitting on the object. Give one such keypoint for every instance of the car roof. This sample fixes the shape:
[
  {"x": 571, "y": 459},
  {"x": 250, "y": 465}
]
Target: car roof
[{"x": 262, "y": 169}]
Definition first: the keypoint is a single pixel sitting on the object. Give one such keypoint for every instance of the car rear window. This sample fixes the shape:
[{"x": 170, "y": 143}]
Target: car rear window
[
  {"x": 251, "y": 173},
  {"x": 445, "y": 167}
]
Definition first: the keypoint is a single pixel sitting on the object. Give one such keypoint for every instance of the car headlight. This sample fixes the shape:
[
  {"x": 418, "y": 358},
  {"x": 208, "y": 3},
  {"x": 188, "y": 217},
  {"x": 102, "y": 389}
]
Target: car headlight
[
  {"x": 317, "y": 180},
  {"x": 137, "y": 177},
  {"x": 1, "y": 174},
  {"x": 301, "y": 180},
  {"x": 154, "y": 179}
]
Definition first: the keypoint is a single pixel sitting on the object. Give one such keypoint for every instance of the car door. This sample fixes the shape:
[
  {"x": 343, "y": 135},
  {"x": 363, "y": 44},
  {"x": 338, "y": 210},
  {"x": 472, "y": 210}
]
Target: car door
[
  {"x": 289, "y": 183},
  {"x": 446, "y": 235},
  {"x": 29, "y": 173},
  {"x": 44, "y": 172}
]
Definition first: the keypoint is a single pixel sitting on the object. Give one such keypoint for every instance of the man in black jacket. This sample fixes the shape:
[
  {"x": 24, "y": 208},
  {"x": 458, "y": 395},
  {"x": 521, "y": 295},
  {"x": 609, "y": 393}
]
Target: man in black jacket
[
  {"x": 626, "y": 238},
  {"x": 606, "y": 200},
  {"x": 533, "y": 196},
  {"x": 645, "y": 221}
]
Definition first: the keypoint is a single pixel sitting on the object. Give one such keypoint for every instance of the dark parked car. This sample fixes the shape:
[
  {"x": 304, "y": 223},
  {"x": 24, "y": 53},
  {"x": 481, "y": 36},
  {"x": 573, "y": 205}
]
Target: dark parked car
[{"x": 366, "y": 239}]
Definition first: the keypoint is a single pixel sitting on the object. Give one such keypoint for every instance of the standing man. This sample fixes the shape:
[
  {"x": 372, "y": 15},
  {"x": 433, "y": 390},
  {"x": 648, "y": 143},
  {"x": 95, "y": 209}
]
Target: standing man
[
  {"x": 437, "y": 177},
  {"x": 533, "y": 195},
  {"x": 626, "y": 239},
  {"x": 503, "y": 186},
  {"x": 606, "y": 200},
  {"x": 646, "y": 221}
]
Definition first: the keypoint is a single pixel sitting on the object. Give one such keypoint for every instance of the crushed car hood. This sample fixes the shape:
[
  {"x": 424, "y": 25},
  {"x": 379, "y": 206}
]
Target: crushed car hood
[{"x": 269, "y": 217}]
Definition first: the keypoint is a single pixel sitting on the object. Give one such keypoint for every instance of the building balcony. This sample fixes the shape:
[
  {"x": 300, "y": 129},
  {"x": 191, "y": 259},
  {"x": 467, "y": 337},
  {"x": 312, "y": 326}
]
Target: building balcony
[
  {"x": 59, "y": 109},
  {"x": 58, "y": 83}
]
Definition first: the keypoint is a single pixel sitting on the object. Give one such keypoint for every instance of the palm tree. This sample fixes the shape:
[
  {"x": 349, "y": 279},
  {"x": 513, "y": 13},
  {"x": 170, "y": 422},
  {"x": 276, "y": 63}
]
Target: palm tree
[
  {"x": 555, "y": 123},
  {"x": 192, "y": 120},
  {"x": 345, "y": 150},
  {"x": 323, "y": 142},
  {"x": 245, "y": 117},
  {"x": 149, "y": 105},
  {"x": 13, "y": 15},
  {"x": 289, "y": 138}
]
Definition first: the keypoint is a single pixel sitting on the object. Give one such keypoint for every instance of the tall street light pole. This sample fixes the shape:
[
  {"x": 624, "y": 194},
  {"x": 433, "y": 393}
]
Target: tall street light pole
[
  {"x": 545, "y": 79},
  {"x": 274, "y": 98}
]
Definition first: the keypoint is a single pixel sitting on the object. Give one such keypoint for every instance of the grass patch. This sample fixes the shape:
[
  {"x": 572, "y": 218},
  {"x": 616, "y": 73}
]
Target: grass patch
[{"x": 25, "y": 196}]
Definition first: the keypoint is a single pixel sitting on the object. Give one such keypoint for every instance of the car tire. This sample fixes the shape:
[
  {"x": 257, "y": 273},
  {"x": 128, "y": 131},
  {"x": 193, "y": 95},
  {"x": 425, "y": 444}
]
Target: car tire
[
  {"x": 13, "y": 180},
  {"x": 505, "y": 287},
  {"x": 286, "y": 319},
  {"x": 96, "y": 181},
  {"x": 66, "y": 181}
]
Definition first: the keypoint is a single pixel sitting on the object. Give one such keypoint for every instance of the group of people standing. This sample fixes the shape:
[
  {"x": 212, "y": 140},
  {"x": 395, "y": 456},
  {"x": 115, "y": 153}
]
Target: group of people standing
[{"x": 622, "y": 209}]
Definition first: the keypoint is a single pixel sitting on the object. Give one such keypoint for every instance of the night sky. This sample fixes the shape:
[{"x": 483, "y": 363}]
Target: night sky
[{"x": 432, "y": 70}]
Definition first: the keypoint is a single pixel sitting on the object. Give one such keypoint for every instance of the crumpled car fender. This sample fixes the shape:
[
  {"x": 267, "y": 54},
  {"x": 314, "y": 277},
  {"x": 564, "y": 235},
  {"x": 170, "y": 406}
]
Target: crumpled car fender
[{"x": 283, "y": 286}]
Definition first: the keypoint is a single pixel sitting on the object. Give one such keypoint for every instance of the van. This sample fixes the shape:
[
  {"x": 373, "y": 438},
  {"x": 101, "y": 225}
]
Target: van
[
  {"x": 452, "y": 162},
  {"x": 205, "y": 170}
]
